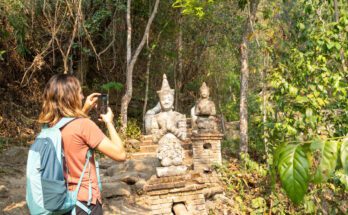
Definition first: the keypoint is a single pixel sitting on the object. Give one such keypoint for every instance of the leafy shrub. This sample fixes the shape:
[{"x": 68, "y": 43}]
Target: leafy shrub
[{"x": 133, "y": 130}]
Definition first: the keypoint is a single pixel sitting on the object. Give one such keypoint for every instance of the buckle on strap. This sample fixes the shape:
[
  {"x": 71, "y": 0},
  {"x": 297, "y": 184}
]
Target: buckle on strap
[{"x": 83, "y": 207}]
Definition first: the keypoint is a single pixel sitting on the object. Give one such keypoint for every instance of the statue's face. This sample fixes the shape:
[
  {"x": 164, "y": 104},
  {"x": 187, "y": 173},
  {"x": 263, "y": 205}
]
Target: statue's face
[
  {"x": 205, "y": 93},
  {"x": 167, "y": 101}
]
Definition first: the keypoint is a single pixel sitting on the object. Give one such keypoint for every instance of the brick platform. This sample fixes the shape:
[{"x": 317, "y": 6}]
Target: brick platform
[{"x": 187, "y": 189}]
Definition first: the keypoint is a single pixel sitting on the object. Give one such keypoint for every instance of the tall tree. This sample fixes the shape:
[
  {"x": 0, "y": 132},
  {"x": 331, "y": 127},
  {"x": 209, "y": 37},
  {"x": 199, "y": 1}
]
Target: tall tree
[
  {"x": 244, "y": 77},
  {"x": 131, "y": 59},
  {"x": 179, "y": 73},
  {"x": 337, "y": 19}
]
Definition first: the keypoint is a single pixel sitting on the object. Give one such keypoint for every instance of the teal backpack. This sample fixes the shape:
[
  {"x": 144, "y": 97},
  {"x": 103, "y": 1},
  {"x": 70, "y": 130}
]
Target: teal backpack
[{"x": 46, "y": 188}]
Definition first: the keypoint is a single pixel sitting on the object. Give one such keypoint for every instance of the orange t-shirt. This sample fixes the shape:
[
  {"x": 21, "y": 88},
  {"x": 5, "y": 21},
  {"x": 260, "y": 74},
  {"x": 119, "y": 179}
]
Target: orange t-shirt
[{"x": 77, "y": 137}]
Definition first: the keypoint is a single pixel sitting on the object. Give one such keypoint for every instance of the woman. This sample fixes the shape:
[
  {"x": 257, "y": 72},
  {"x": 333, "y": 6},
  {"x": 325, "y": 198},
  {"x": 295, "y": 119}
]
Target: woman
[{"x": 63, "y": 98}]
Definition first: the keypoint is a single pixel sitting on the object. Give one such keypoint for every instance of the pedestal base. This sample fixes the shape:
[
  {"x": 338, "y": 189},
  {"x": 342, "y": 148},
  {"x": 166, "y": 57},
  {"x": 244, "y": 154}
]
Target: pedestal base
[
  {"x": 170, "y": 171},
  {"x": 206, "y": 125}
]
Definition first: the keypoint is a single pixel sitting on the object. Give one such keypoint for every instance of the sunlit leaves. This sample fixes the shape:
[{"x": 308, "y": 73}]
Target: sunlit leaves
[
  {"x": 309, "y": 74},
  {"x": 192, "y": 7}
]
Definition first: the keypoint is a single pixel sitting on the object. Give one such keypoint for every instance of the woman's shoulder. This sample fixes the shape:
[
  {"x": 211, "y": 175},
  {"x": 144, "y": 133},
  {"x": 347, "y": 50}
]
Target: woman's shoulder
[
  {"x": 80, "y": 122},
  {"x": 85, "y": 122},
  {"x": 82, "y": 126}
]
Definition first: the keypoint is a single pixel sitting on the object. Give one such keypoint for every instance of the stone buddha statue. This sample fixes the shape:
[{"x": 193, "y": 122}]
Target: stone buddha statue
[
  {"x": 203, "y": 113},
  {"x": 168, "y": 128}
]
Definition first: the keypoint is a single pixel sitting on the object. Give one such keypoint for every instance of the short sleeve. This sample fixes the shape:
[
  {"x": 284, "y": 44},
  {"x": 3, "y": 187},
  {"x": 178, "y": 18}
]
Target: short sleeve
[{"x": 91, "y": 133}]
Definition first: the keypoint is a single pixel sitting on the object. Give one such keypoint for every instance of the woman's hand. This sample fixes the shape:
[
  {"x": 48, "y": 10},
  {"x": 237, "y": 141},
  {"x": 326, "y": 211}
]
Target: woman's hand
[
  {"x": 108, "y": 117},
  {"x": 91, "y": 102}
]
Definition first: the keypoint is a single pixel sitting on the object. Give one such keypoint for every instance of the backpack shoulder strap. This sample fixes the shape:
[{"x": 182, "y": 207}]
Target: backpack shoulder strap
[{"x": 62, "y": 122}]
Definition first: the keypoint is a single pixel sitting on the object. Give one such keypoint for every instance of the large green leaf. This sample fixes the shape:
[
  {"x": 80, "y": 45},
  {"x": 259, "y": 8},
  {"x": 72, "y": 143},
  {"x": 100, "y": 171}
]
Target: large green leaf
[
  {"x": 344, "y": 155},
  {"x": 327, "y": 152},
  {"x": 293, "y": 169}
]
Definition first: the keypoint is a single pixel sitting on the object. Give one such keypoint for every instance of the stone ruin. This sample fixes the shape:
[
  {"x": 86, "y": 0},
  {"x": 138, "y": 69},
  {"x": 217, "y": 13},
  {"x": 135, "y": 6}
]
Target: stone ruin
[{"x": 172, "y": 173}]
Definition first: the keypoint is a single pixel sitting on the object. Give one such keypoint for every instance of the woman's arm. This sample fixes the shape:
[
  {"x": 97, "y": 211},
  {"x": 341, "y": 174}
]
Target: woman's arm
[{"x": 112, "y": 148}]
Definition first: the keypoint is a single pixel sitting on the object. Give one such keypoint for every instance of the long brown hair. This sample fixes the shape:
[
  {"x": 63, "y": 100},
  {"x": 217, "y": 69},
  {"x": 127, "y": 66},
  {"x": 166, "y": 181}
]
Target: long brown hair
[{"x": 61, "y": 98}]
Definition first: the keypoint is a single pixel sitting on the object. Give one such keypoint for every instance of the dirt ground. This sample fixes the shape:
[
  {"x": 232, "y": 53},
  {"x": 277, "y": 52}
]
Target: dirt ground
[{"x": 12, "y": 181}]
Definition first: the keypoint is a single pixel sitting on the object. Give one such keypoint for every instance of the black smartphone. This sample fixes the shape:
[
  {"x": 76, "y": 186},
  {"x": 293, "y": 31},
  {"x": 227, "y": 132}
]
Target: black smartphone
[{"x": 103, "y": 103}]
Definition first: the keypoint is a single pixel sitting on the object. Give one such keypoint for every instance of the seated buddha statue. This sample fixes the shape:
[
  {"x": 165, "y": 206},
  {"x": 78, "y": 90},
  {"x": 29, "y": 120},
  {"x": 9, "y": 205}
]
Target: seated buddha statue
[{"x": 203, "y": 113}]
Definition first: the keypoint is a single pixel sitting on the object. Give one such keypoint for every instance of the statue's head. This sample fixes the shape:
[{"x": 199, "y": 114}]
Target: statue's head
[
  {"x": 204, "y": 90},
  {"x": 166, "y": 95}
]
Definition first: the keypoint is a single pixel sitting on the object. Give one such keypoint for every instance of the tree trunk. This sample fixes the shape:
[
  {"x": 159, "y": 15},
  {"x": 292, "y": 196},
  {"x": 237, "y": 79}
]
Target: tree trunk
[
  {"x": 264, "y": 103},
  {"x": 147, "y": 80},
  {"x": 131, "y": 60},
  {"x": 82, "y": 68},
  {"x": 178, "y": 77},
  {"x": 129, "y": 32},
  {"x": 244, "y": 78},
  {"x": 223, "y": 127},
  {"x": 243, "y": 111},
  {"x": 337, "y": 18}
]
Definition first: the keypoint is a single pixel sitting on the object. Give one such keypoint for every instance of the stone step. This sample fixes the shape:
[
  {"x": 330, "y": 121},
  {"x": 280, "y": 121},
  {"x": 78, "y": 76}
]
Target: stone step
[
  {"x": 138, "y": 155},
  {"x": 146, "y": 137},
  {"x": 146, "y": 143},
  {"x": 148, "y": 148},
  {"x": 153, "y": 147}
]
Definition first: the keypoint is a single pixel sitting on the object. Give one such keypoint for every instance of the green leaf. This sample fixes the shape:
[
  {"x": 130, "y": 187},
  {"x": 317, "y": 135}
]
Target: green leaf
[
  {"x": 258, "y": 203},
  {"x": 343, "y": 178},
  {"x": 344, "y": 155},
  {"x": 301, "y": 99},
  {"x": 329, "y": 45},
  {"x": 328, "y": 152},
  {"x": 338, "y": 46},
  {"x": 293, "y": 90},
  {"x": 2, "y": 52},
  {"x": 112, "y": 85},
  {"x": 301, "y": 26},
  {"x": 293, "y": 170},
  {"x": 309, "y": 112}
]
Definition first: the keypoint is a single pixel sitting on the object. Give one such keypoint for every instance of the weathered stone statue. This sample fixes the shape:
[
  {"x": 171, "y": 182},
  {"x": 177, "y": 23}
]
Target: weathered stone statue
[
  {"x": 168, "y": 129},
  {"x": 150, "y": 114},
  {"x": 203, "y": 113}
]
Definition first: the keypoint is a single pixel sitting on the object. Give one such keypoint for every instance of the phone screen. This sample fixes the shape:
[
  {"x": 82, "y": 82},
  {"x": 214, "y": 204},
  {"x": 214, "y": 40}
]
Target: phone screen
[{"x": 103, "y": 102}]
